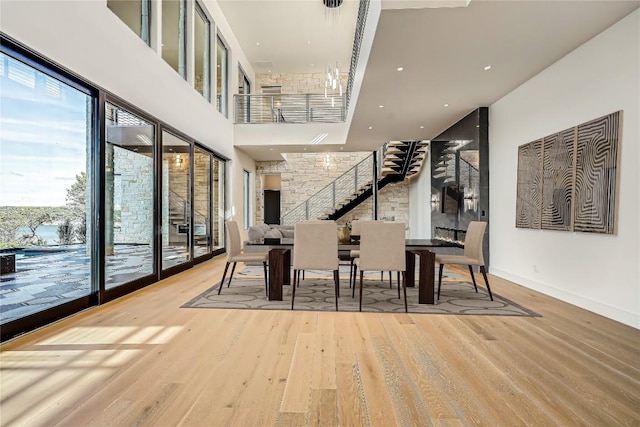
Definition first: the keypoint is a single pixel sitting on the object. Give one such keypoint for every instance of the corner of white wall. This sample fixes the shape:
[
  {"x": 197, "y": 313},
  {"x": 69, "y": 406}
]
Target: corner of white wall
[{"x": 598, "y": 272}]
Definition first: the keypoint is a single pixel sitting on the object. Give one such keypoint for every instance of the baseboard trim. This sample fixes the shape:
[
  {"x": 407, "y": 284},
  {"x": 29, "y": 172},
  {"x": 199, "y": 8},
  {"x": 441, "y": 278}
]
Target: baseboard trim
[{"x": 614, "y": 313}]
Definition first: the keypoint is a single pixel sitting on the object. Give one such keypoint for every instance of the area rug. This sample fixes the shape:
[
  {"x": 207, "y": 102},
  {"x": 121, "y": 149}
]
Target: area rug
[{"x": 316, "y": 293}]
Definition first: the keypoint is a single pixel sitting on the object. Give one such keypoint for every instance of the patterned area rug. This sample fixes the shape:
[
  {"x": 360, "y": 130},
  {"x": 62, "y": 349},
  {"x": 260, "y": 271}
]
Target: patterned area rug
[{"x": 316, "y": 293}]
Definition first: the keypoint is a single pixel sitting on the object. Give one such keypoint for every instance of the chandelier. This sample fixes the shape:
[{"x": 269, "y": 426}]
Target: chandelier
[{"x": 332, "y": 81}]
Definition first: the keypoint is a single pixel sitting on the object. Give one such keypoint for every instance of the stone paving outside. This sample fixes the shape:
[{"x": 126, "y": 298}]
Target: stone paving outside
[{"x": 55, "y": 275}]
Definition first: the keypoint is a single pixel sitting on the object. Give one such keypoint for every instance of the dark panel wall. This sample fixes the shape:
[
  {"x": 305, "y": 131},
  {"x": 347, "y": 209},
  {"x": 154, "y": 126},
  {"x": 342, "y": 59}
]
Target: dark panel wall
[{"x": 460, "y": 174}]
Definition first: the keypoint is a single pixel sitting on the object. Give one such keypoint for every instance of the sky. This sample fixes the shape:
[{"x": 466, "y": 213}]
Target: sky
[{"x": 43, "y": 130}]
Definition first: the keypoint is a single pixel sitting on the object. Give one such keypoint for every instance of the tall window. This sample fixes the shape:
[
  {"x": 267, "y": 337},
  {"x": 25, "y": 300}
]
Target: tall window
[
  {"x": 221, "y": 72},
  {"x": 129, "y": 187},
  {"x": 176, "y": 200},
  {"x": 46, "y": 227},
  {"x": 244, "y": 85},
  {"x": 174, "y": 43},
  {"x": 202, "y": 53},
  {"x": 247, "y": 199},
  {"x": 135, "y": 14}
]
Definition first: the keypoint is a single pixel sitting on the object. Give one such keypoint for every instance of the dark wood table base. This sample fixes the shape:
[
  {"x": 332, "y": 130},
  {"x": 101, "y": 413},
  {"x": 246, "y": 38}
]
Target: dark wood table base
[{"x": 280, "y": 268}]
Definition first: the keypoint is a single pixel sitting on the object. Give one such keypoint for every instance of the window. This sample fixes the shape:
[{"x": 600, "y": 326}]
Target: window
[
  {"x": 221, "y": 72},
  {"x": 244, "y": 85},
  {"x": 135, "y": 14},
  {"x": 202, "y": 53},
  {"x": 46, "y": 221},
  {"x": 247, "y": 199},
  {"x": 129, "y": 191},
  {"x": 174, "y": 44}
]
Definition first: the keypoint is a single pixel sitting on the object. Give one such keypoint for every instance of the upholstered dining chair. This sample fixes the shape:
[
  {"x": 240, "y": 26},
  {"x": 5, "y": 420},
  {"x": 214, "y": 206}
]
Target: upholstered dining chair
[
  {"x": 382, "y": 247},
  {"x": 315, "y": 247},
  {"x": 235, "y": 255},
  {"x": 472, "y": 255},
  {"x": 355, "y": 253}
]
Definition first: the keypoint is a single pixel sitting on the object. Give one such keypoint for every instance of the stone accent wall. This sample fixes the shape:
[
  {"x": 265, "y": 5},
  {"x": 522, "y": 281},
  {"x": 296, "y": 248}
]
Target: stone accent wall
[
  {"x": 136, "y": 199},
  {"x": 297, "y": 83},
  {"x": 393, "y": 205},
  {"x": 303, "y": 175}
]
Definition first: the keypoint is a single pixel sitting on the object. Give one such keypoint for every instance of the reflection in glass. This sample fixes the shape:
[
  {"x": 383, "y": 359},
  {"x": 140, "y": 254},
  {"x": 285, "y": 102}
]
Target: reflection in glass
[
  {"x": 133, "y": 13},
  {"x": 202, "y": 203},
  {"x": 129, "y": 185},
  {"x": 176, "y": 200},
  {"x": 174, "y": 36},
  {"x": 45, "y": 191},
  {"x": 203, "y": 71},
  {"x": 218, "y": 204},
  {"x": 221, "y": 73}
]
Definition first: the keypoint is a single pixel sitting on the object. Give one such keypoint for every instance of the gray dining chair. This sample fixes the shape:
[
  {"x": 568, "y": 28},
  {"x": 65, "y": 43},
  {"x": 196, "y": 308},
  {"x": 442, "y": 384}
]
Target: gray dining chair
[
  {"x": 472, "y": 255},
  {"x": 236, "y": 255},
  {"x": 382, "y": 248},
  {"x": 315, "y": 247}
]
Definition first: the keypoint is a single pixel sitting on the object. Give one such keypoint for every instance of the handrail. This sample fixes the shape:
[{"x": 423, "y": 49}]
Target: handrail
[
  {"x": 290, "y": 108},
  {"x": 363, "y": 10},
  {"x": 305, "y": 108},
  {"x": 330, "y": 197}
]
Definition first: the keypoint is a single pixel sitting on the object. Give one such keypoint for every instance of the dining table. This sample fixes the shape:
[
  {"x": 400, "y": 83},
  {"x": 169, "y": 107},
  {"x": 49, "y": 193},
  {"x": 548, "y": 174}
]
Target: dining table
[{"x": 280, "y": 264}]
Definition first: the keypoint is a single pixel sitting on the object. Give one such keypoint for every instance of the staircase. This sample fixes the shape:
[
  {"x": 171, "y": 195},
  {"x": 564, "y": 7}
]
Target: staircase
[
  {"x": 400, "y": 160},
  {"x": 179, "y": 226}
]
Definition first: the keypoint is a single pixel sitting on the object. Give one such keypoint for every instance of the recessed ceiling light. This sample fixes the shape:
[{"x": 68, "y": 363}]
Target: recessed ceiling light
[
  {"x": 271, "y": 149},
  {"x": 257, "y": 43},
  {"x": 487, "y": 68},
  {"x": 308, "y": 41},
  {"x": 305, "y": 149},
  {"x": 370, "y": 127},
  {"x": 312, "y": 65},
  {"x": 421, "y": 127},
  {"x": 380, "y": 106},
  {"x": 400, "y": 68},
  {"x": 342, "y": 148},
  {"x": 268, "y": 71},
  {"x": 446, "y": 105}
]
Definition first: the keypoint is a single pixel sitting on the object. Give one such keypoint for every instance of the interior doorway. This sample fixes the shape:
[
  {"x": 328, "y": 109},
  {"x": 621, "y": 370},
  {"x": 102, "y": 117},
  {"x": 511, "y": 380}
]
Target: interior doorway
[{"x": 271, "y": 197}]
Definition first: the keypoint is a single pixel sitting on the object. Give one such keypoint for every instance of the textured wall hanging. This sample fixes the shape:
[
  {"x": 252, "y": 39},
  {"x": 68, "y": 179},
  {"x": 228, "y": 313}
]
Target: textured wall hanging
[
  {"x": 529, "y": 185},
  {"x": 568, "y": 181}
]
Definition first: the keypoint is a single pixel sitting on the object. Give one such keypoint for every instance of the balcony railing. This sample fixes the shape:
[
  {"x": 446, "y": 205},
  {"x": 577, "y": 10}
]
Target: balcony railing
[{"x": 281, "y": 108}]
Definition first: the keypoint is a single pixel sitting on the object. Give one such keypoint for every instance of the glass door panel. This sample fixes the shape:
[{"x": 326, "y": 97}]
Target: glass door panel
[
  {"x": 218, "y": 203},
  {"x": 129, "y": 185},
  {"x": 202, "y": 242},
  {"x": 176, "y": 200},
  {"x": 45, "y": 191}
]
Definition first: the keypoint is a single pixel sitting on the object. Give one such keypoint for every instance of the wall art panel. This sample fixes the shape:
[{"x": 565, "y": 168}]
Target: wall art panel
[
  {"x": 557, "y": 187},
  {"x": 596, "y": 174},
  {"x": 529, "y": 189}
]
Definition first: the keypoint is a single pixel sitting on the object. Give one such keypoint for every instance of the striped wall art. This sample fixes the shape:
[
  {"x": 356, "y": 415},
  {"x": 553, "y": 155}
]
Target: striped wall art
[{"x": 568, "y": 180}]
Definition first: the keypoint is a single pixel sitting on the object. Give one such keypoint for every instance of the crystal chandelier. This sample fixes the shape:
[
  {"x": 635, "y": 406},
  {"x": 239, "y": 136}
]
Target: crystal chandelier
[{"x": 332, "y": 82}]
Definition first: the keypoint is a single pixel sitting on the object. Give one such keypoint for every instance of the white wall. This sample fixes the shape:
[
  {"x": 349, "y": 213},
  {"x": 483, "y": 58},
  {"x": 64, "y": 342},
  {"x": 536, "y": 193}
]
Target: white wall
[
  {"x": 420, "y": 202},
  {"x": 91, "y": 41},
  {"x": 598, "y": 272}
]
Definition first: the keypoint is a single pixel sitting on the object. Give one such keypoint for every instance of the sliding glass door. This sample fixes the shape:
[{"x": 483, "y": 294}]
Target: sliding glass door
[
  {"x": 129, "y": 197},
  {"x": 202, "y": 206},
  {"x": 176, "y": 200},
  {"x": 46, "y": 215}
]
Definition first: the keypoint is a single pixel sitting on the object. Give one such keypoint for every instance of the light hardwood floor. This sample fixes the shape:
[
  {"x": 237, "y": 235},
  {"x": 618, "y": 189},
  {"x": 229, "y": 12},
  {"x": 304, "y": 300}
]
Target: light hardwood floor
[{"x": 143, "y": 360}]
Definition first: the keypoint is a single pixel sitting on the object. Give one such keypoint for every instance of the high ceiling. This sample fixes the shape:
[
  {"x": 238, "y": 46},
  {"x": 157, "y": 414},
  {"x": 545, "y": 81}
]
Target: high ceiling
[{"x": 443, "y": 53}]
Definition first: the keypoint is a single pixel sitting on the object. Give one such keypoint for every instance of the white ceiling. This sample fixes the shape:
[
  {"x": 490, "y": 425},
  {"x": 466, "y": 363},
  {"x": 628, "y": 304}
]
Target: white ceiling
[{"x": 443, "y": 52}]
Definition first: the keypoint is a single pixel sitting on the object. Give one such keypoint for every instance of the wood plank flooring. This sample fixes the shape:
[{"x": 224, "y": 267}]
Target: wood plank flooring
[{"x": 144, "y": 361}]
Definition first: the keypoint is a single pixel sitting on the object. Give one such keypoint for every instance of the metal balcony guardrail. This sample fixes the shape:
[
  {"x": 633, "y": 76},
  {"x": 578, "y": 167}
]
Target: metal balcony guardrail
[
  {"x": 305, "y": 108},
  {"x": 333, "y": 196},
  {"x": 282, "y": 108},
  {"x": 363, "y": 10}
]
